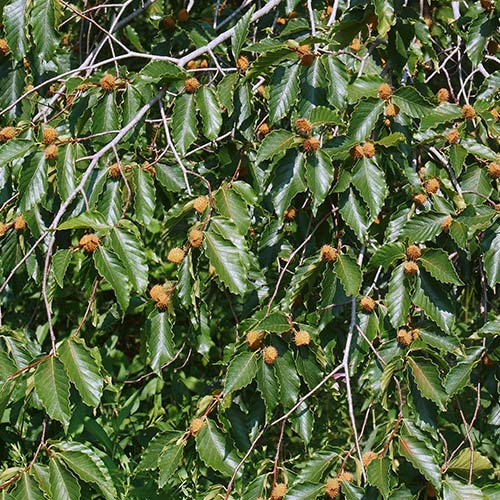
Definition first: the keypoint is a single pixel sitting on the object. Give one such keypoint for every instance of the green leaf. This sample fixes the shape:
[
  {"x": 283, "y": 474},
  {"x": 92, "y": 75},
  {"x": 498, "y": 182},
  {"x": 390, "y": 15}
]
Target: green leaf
[
  {"x": 66, "y": 171},
  {"x": 423, "y": 227},
  {"x": 106, "y": 117},
  {"x": 305, "y": 491},
  {"x": 216, "y": 450},
  {"x": 480, "y": 150},
  {"x": 455, "y": 490},
  {"x": 52, "y": 387},
  {"x": 14, "y": 149},
  {"x": 378, "y": 474},
  {"x": 384, "y": 9},
  {"x": 336, "y": 74},
  {"x": 364, "y": 118},
  {"x": 11, "y": 87},
  {"x": 458, "y": 378},
  {"x": 411, "y": 102},
  {"x": 160, "y": 339},
  {"x": 369, "y": 180},
  {"x": 267, "y": 385},
  {"x": 288, "y": 379},
  {"x": 232, "y": 206},
  {"x": 314, "y": 469},
  {"x": 421, "y": 457},
  {"x": 27, "y": 489},
  {"x": 145, "y": 196},
  {"x": 63, "y": 485},
  {"x": 168, "y": 462},
  {"x": 353, "y": 214},
  {"x": 349, "y": 273},
  {"x": 131, "y": 252},
  {"x": 87, "y": 465},
  {"x": 278, "y": 141},
  {"x": 426, "y": 376},
  {"x": 241, "y": 371},
  {"x": 43, "y": 23},
  {"x": 91, "y": 219},
  {"x": 111, "y": 203},
  {"x": 82, "y": 370},
  {"x": 14, "y": 19},
  {"x": 283, "y": 91},
  {"x": 211, "y": 116},
  {"x": 303, "y": 422},
  {"x": 60, "y": 263},
  {"x": 386, "y": 254},
  {"x": 156, "y": 71},
  {"x": 108, "y": 265},
  {"x": 319, "y": 176},
  {"x": 490, "y": 329},
  {"x": 33, "y": 181},
  {"x": 240, "y": 33},
  {"x": 313, "y": 92},
  {"x": 397, "y": 299},
  {"x": 460, "y": 465},
  {"x": 444, "y": 113},
  {"x": 439, "y": 266},
  {"x": 184, "y": 122},
  {"x": 480, "y": 30}
]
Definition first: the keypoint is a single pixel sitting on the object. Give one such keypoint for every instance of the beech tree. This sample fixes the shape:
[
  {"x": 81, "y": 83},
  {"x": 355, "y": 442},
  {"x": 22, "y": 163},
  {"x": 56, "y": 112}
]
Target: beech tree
[{"x": 249, "y": 250}]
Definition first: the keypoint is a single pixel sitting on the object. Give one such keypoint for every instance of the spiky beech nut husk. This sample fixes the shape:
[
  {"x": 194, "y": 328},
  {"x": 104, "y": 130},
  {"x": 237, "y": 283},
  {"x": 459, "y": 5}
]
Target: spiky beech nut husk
[
  {"x": 192, "y": 65},
  {"x": 387, "y": 122},
  {"x": 19, "y": 223},
  {"x": 385, "y": 91},
  {"x": 495, "y": 114},
  {"x": 163, "y": 302},
  {"x": 290, "y": 213},
  {"x": 453, "y": 136},
  {"x": 432, "y": 186},
  {"x": 203, "y": 63},
  {"x": 176, "y": 255},
  {"x": 270, "y": 354},
  {"x": 263, "y": 130},
  {"x": 4, "y": 47},
  {"x": 492, "y": 47},
  {"x": 303, "y": 127},
  {"x": 281, "y": 21},
  {"x": 49, "y": 135},
  {"x": 487, "y": 5},
  {"x": 442, "y": 95},
  {"x": 196, "y": 238},
  {"x": 196, "y": 425},
  {"x": 114, "y": 171},
  {"x": 357, "y": 152},
  {"x": 355, "y": 44},
  {"x": 7, "y": 133},
  {"x": 168, "y": 23},
  {"x": 494, "y": 170},
  {"x": 279, "y": 491},
  {"x": 328, "y": 253},
  {"x": 391, "y": 110},
  {"x": 3, "y": 228},
  {"x": 307, "y": 59},
  {"x": 51, "y": 152},
  {"x": 487, "y": 361},
  {"x": 404, "y": 337},
  {"x": 332, "y": 487},
  {"x": 369, "y": 149},
  {"x": 191, "y": 85},
  {"x": 89, "y": 242},
  {"x": 200, "y": 204},
  {"x": 415, "y": 333},
  {"x": 242, "y": 63},
  {"x": 254, "y": 339},
  {"x": 183, "y": 16},
  {"x": 413, "y": 252},
  {"x": 419, "y": 198},
  {"x": 302, "y": 338},
  {"x": 368, "y": 458},
  {"x": 497, "y": 207},
  {"x": 346, "y": 476},
  {"x": 410, "y": 268},
  {"x": 311, "y": 144},
  {"x": 367, "y": 304},
  {"x": 447, "y": 223},
  {"x": 303, "y": 49},
  {"x": 157, "y": 291},
  {"x": 107, "y": 82},
  {"x": 468, "y": 112}
]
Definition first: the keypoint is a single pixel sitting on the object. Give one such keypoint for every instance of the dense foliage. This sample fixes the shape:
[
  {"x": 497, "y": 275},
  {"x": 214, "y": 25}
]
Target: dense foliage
[{"x": 249, "y": 250}]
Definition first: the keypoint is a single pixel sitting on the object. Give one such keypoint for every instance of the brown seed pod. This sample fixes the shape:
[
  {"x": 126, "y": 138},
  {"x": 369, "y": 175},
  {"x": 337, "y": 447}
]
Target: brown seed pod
[
  {"x": 49, "y": 135},
  {"x": 357, "y": 152},
  {"x": 176, "y": 255},
  {"x": 290, "y": 213},
  {"x": 302, "y": 338},
  {"x": 196, "y": 425},
  {"x": 278, "y": 491},
  {"x": 114, "y": 171},
  {"x": 419, "y": 198},
  {"x": 367, "y": 304},
  {"x": 442, "y": 95},
  {"x": 200, "y": 204},
  {"x": 3, "y": 228},
  {"x": 191, "y": 85},
  {"x": 254, "y": 339},
  {"x": 369, "y": 149},
  {"x": 107, "y": 82},
  {"x": 391, "y": 110},
  {"x": 404, "y": 337},
  {"x": 196, "y": 238},
  {"x": 355, "y": 45},
  {"x": 307, "y": 59},
  {"x": 168, "y": 23},
  {"x": 387, "y": 122},
  {"x": 413, "y": 252},
  {"x": 368, "y": 458},
  {"x": 468, "y": 112},
  {"x": 432, "y": 186},
  {"x": 453, "y": 136},
  {"x": 89, "y": 242},
  {"x": 51, "y": 152},
  {"x": 203, "y": 63},
  {"x": 410, "y": 268},
  {"x": 4, "y": 47},
  {"x": 346, "y": 476},
  {"x": 332, "y": 487},
  {"x": 311, "y": 144},
  {"x": 157, "y": 291},
  {"x": 415, "y": 333},
  {"x": 303, "y": 49},
  {"x": 492, "y": 47},
  {"x": 447, "y": 223},
  {"x": 7, "y": 133},
  {"x": 328, "y": 253},
  {"x": 263, "y": 130},
  {"x": 192, "y": 65},
  {"x": 183, "y": 16},
  {"x": 494, "y": 170},
  {"x": 163, "y": 302},
  {"x": 385, "y": 91},
  {"x": 487, "y": 5},
  {"x": 270, "y": 354},
  {"x": 303, "y": 127},
  {"x": 242, "y": 63},
  {"x": 19, "y": 223}
]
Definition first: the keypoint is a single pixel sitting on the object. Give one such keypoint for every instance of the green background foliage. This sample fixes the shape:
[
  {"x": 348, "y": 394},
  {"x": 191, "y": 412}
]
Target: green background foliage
[{"x": 101, "y": 377}]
